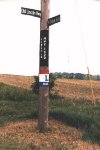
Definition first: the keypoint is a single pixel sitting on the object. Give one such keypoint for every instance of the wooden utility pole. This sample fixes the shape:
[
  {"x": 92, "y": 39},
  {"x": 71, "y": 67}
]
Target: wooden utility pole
[
  {"x": 45, "y": 22},
  {"x": 44, "y": 67}
]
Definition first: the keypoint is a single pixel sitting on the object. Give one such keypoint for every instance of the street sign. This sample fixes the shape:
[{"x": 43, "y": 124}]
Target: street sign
[
  {"x": 44, "y": 44},
  {"x": 31, "y": 12},
  {"x": 53, "y": 20}
]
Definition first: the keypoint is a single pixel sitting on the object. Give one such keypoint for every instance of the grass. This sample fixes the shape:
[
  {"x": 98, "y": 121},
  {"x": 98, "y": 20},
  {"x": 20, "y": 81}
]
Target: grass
[
  {"x": 20, "y": 104},
  {"x": 7, "y": 144},
  {"x": 79, "y": 114},
  {"x": 16, "y": 104}
]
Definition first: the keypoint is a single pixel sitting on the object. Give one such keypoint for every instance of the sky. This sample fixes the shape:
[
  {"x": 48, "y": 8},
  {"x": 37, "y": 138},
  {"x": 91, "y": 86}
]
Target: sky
[{"x": 74, "y": 42}]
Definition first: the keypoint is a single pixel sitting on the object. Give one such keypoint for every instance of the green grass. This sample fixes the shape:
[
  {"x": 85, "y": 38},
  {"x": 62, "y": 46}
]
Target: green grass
[
  {"x": 7, "y": 144},
  {"x": 80, "y": 114},
  {"x": 20, "y": 104},
  {"x": 16, "y": 104}
]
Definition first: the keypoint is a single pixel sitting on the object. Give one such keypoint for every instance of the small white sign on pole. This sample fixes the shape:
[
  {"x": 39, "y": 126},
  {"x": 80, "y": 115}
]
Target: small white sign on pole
[{"x": 43, "y": 77}]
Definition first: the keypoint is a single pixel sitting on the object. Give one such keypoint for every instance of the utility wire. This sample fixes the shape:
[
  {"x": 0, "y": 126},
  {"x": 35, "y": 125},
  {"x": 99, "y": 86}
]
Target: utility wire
[{"x": 84, "y": 49}]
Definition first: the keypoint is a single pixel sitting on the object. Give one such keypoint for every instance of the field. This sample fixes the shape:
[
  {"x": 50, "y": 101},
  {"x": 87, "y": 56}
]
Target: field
[
  {"x": 74, "y": 120},
  {"x": 71, "y": 89},
  {"x": 78, "y": 89},
  {"x": 15, "y": 80}
]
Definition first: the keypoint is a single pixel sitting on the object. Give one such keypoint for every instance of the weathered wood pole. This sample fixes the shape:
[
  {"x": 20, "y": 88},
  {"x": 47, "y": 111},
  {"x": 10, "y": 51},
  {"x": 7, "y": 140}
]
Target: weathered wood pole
[{"x": 44, "y": 67}]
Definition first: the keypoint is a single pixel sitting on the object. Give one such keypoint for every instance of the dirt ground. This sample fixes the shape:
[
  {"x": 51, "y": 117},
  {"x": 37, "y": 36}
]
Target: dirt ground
[{"x": 61, "y": 136}]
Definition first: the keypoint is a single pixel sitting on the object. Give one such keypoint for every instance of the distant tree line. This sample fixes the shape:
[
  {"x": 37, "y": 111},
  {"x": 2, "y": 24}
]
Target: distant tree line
[{"x": 79, "y": 76}]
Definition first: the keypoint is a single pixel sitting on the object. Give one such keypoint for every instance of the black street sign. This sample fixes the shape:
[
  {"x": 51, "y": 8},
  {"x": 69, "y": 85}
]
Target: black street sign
[
  {"x": 53, "y": 20},
  {"x": 44, "y": 48},
  {"x": 31, "y": 12}
]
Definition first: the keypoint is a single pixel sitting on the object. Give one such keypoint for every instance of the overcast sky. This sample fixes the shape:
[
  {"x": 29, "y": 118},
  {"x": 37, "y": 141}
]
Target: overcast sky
[{"x": 74, "y": 42}]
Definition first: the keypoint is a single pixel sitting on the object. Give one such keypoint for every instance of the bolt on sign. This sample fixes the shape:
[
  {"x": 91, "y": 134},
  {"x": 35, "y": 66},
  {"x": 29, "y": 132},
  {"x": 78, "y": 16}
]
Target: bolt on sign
[
  {"x": 44, "y": 79},
  {"x": 44, "y": 43}
]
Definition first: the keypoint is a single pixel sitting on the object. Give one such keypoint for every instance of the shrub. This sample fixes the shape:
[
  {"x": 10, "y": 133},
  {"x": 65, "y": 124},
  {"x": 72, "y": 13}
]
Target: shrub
[{"x": 35, "y": 85}]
